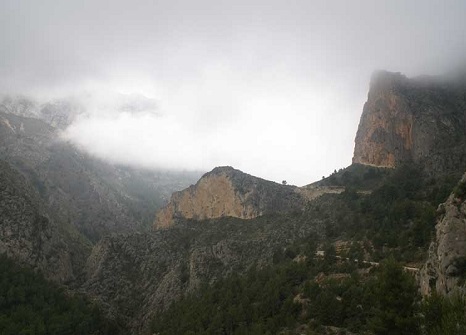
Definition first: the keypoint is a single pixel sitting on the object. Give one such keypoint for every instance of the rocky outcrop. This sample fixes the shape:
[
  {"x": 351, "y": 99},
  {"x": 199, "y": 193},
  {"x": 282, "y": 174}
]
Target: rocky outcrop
[
  {"x": 228, "y": 192},
  {"x": 421, "y": 120},
  {"x": 445, "y": 268}
]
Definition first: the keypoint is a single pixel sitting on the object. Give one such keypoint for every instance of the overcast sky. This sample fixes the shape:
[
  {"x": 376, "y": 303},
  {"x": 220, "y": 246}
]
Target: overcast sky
[{"x": 274, "y": 88}]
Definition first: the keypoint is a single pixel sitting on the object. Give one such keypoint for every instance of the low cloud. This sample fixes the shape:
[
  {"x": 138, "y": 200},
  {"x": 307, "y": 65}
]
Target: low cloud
[
  {"x": 272, "y": 131},
  {"x": 271, "y": 87}
]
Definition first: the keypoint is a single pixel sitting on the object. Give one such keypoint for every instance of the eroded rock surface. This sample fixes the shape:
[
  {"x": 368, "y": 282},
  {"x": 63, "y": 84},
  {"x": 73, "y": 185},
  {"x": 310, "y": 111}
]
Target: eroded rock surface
[
  {"x": 421, "y": 120},
  {"x": 445, "y": 269},
  {"x": 228, "y": 192}
]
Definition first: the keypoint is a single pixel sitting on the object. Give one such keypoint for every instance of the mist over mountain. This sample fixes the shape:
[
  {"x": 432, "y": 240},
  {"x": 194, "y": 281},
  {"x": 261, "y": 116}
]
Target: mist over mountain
[
  {"x": 267, "y": 87},
  {"x": 232, "y": 167}
]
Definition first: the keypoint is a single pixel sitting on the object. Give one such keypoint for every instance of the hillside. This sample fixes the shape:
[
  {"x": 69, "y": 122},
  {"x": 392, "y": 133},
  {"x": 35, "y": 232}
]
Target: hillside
[
  {"x": 31, "y": 236},
  {"x": 96, "y": 197}
]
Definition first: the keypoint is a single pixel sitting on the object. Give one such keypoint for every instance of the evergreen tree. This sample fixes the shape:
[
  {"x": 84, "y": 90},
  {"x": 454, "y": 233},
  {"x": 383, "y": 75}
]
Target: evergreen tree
[{"x": 396, "y": 297}]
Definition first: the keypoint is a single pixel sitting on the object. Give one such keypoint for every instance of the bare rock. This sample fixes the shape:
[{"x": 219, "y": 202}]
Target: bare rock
[
  {"x": 445, "y": 268},
  {"x": 422, "y": 120},
  {"x": 228, "y": 192}
]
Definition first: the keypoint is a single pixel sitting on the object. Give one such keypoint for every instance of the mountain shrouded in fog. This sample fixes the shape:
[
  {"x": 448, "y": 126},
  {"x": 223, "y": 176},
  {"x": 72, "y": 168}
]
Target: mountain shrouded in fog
[
  {"x": 270, "y": 87},
  {"x": 150, "y": 152}
]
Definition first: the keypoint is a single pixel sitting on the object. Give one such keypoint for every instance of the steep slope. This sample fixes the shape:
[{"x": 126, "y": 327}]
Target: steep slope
[
  {"x": 228, "y": 192},
  {"x": 445, "y": 268},
  {"x": 137, "y": 275},
  {"x": 31, "y": 236},
  {"x": 421, "y": 120},
  {"x": 98, "y": 198}
]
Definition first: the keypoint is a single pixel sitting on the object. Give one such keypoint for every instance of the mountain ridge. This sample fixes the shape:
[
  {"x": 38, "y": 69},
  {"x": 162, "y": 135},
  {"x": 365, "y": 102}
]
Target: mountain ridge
[{"x": 225, "y": 191}]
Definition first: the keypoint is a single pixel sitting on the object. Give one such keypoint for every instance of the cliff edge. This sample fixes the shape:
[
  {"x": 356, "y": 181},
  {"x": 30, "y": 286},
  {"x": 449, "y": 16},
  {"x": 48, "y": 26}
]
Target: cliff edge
[
  {"x": 226, "y": 191},
  {"x": 421, "y": 120}
]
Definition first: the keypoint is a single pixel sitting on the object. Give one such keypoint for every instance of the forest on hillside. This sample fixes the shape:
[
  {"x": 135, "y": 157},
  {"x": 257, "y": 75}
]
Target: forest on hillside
[{"x": 31, "y": 305}]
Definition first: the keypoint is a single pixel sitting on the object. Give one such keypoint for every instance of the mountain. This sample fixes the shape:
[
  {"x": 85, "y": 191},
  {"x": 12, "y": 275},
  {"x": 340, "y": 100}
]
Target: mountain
[
  {"x": 60, "y": 113},
  {"x": 135, "y": 276},
  {"x": 420, "y": 120},
  {"x": 226, "y": 191},
  {"x": 31, "y": 236},
  {"x": 97, "y": 197},
  {"x": 56, "y": 113},
  {"x": 315, "y": 256}
]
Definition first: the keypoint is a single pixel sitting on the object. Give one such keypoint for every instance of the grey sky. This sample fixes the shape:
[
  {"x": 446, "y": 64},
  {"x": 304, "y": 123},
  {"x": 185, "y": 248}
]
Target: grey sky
[{"x": 275, "y": 88}]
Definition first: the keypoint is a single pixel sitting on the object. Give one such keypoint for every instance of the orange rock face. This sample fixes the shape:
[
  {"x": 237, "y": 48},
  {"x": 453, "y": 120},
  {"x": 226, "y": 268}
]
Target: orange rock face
[
  {"x": 213, "y": 196},
  {"x": 384, "y": 137},
  {"x": 420, "y": 120},
  {"x": 228, "y": 192}
]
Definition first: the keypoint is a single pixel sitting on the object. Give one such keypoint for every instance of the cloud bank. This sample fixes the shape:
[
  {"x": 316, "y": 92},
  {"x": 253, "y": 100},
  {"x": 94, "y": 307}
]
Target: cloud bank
[{"x": 271, "y": 87}]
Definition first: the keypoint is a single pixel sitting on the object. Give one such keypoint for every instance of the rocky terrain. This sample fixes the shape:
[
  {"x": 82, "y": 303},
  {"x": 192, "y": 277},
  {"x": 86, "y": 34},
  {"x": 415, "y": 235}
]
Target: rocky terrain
[
  {"x": 422, "y": 120},
  {"x": 228, "y": 192},
  {"x": 445, "y": 268}
]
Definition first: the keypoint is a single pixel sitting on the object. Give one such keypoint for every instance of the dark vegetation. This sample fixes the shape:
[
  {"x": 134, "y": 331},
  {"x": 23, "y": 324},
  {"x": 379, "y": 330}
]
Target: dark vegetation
[
  {"x": 301, "y": 293},
  {"x": 356, "y": 176},
  {"x": 307, "y": 296},
  {"x": 30, "y": 305},
  {"x": 397, "y": 218}
]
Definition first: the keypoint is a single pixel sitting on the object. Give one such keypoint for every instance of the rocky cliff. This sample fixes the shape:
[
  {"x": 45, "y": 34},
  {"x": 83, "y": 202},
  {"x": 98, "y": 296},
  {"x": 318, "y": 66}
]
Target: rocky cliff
[
  {"x": 228, "y": 192},
  {"x": 445, "y": 269},
  {"x": 422, "y": 120}
]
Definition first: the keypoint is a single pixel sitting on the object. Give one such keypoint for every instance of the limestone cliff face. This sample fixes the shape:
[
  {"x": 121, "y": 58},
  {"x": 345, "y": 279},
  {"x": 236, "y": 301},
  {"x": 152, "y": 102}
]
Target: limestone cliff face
[
  {"x": 228, "y": 192},
  {"x": 421, "y": 120},
  {"x": 445, "y": 268}
]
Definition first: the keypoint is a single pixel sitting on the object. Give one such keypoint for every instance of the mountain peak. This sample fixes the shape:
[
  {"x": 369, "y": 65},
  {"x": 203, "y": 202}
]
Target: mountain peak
[
  {"x": 379, "y": 77},
  {"x": 223, "y": 169},
  {"x": 420, "y": 119},
  {"x": 227, "y": 192}
]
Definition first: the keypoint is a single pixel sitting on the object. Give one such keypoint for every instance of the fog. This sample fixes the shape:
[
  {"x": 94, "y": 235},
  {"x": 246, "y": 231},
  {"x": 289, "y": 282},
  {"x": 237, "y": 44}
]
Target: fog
[{"x": 274, "y": 88}]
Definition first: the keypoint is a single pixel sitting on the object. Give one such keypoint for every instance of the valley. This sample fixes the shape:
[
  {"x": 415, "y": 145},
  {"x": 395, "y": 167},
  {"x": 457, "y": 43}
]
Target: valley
[{"x": 163, "y": 252}]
